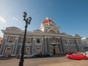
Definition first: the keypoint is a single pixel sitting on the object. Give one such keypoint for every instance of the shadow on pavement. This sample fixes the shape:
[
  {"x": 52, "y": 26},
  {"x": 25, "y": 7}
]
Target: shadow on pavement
[{"x": 6, "y": 58}]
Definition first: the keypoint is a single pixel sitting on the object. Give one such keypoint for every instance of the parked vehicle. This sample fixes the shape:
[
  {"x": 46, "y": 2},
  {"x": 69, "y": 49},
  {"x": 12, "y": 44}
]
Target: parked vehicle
[
  {"x": 25, "y": 56},
  {"x": 37, "y": 55},
  {"x": 85, "y": 53},
  {"x": 28, "y": 56},
  {"x": 18, "y": 56},
  {"x": 43, "y": 55},
  {"x": 76, "y": 56},
  {"x": 46, "y": 55},
  {"x": 34, "y": 55}
]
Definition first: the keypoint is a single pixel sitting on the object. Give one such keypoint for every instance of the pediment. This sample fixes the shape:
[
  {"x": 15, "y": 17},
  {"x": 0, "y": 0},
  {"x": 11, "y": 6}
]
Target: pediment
[{"x": 13, "y": 29}]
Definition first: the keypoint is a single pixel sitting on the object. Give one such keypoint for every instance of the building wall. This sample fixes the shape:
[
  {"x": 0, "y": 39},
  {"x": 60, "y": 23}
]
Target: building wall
[
  {"x": 44, "y": 45},
  {"x": 85, "y": 43},
  {"x": 0, "y": 41},
  {"x": 65, "y": 43}
]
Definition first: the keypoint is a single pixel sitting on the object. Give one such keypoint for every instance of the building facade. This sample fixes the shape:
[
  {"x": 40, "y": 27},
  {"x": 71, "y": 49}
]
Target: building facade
[
  {"x": 85, "y": 43},
  {"x": 0, "y": 41},
  {"x": 47, "y": 39}
]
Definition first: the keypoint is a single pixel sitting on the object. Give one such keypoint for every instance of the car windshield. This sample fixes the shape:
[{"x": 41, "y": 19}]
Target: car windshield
[{"x": 75, "y": 54}]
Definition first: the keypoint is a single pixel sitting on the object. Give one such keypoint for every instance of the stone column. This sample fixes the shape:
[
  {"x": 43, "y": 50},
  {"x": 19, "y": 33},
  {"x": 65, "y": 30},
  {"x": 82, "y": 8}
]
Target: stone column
[
  {"x": 3, "y": 45},
  {"x": 77, "y": 47},
  {"x": 61, "y": 45},
  {"x": 33, "y": 46},
  {"x": 45, "y": 45},
  {"x": 16, "y": 45},
  {"x": 42, "y": 41},
  {"x": 48, "y": 45}
]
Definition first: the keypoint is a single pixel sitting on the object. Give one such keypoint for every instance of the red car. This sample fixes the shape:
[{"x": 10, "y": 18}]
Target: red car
[{"x": 76, "y": 56}]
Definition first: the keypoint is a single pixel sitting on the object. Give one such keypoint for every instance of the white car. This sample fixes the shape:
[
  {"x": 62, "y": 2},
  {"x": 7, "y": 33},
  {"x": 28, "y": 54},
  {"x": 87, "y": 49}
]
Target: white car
[
  {"x": 51, "y": 54},
  {"x": 25, "y": 56},
  {"x": 85, "y": 53},
  {"x": 28, "y": 56}
]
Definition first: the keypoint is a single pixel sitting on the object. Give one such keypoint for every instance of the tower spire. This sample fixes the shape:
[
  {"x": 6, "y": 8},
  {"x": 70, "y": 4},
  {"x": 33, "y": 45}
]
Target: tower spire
[{"x": 47, "y": 18}]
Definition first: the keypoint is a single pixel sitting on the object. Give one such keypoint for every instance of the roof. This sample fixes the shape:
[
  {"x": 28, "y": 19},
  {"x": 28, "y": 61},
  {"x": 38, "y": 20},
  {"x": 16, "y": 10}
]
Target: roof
[{"x": 47, "y": 20}]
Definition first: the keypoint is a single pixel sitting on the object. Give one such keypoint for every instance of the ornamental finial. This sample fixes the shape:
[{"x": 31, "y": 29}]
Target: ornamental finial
[{"x": 47, "y": 18}]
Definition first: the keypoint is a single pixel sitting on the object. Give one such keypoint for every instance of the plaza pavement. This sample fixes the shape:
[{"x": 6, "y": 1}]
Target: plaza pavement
[{"x": 50, "y": 61}]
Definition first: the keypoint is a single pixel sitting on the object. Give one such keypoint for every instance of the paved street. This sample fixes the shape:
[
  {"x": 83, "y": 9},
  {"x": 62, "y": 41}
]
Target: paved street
[{"x": 51, "y": 61}]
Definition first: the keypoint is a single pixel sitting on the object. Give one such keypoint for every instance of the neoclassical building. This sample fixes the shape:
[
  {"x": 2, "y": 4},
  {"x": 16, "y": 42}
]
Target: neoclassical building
[
  {"x": 85, "y": 43},
  {"x": 48, "y": 39},
  {"x": 0, "y": 41}
]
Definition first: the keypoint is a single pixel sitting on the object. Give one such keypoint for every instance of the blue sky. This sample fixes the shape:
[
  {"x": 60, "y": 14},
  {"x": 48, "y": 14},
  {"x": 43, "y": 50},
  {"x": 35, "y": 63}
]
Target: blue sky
[{"x": 70, "y": 15}]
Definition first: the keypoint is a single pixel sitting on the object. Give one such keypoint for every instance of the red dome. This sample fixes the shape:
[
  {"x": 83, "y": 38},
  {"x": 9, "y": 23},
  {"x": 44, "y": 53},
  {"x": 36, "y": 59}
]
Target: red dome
[{"x": 46, "y": 21}]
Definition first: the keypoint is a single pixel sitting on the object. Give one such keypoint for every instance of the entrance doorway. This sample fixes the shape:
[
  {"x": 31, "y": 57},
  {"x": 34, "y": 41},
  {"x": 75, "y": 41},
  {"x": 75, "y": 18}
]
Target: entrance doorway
[
  {"x": 28, "y": 50},
  {"x": 38, "y": 50},
  {"x": 54, "y": 52},
  {"x": 56, "y": 49},
  {"x": 8, "y": 52}
]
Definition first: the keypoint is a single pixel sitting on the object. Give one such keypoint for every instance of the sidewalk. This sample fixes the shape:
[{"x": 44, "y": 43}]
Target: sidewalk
[{"x": 72, "y": 63}]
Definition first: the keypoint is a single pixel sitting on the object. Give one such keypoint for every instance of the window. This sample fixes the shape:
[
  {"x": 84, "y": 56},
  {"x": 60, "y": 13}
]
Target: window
[
  {"x": 28, "y": 40},
  {"x": 38, "y": 40},
  {"x": 50, "y": 39},
  {"x": 79, "y": 42},
  {"x": 65, "y": 42},
  {"x": 11, "y": 39},
  {"x": 52, "y": 31}
]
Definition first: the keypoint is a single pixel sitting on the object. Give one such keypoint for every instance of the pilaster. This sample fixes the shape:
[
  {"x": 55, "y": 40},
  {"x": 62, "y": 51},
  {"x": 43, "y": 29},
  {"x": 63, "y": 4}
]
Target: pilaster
[
  {"x": 48, "y": 45},
  {"x": 61, "y": 45},
  {"x": 16, "y": 44},
  {"x": 3, "y": 45},
  {"x": 45, "y": 45},
  {"x": 33, "y": 46},
  {"x": 42, "y": 41}
]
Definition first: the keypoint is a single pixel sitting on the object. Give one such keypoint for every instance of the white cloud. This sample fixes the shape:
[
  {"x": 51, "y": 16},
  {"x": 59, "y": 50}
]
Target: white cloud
[
  {"x": 2, "y": 20},
  {"x": 15, "y": 18}
]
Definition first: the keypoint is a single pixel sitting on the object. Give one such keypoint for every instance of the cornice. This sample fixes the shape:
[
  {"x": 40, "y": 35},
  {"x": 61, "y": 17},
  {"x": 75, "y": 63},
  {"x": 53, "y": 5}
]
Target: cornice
[{"x": 38, "y": 34}]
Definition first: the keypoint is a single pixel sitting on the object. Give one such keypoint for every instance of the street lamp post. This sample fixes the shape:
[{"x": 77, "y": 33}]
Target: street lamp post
[{"x": 27, "y": 21}]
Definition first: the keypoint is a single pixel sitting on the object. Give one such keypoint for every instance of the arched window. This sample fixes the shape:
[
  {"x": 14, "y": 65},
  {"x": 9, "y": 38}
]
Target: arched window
[
  {"x": 38, "y": 40},
  {"x": 11, "y": 38},
  {"x": 28, "y": 40},
  {"x": 52, "y": 31}
]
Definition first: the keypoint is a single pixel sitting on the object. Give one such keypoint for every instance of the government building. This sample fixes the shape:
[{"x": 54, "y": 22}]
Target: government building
[{"x": 48, "y": 39}]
